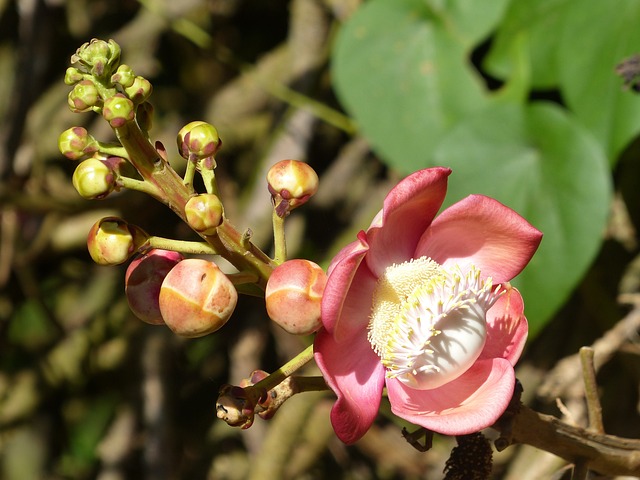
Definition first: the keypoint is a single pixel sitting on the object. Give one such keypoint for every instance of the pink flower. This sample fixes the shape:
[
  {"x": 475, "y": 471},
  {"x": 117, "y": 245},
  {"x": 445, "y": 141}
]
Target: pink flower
[{"x": 421, "y": 304}]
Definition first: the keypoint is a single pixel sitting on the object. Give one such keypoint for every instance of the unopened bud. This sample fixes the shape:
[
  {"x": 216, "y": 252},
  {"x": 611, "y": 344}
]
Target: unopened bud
[
  {"x": 97, "y": 57},
  {"x": 198, "y": 140},
  {"x": 139, "y": 91},
  {"x": 72, "y": 76},
  {"x": 291, "y": 183},
  {"x": 143, "y": 280},
  {"x": 83, "y": 97},
  {"x": 75, "y": 143},
  {"x": 124, "y": 76},
  {"x": 196, "y": 298},
  {"x": 118, "y": 110},
  {"x": 204, "y": 213},
  {"x": 94, "y": 179},
  {"x": 112, "y": 241},
  {"x": 294, "y": 295}
]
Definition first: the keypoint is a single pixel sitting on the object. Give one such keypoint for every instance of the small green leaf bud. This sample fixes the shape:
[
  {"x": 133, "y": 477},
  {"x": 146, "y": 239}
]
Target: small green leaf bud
[
  {"x": 75, "y": 143},
  {"x": 97, "y": 57},
  {"x": 72, "y": 76},
  {"x": 94, "y": 179},
  {"x": 118, "y": 110},
  {"x": 111, "y": 241},
  {"x": 139, "y": 91},
  {"x": 294, "y": 294},
  {"x": 124, "y": 76},
  {"x": 198, "y": 140},
  {"x": 83, "y": 97},
  {"x": 204, "y": 213},
  {"x": 196, "y": 298},
  {"x": 291, "y": 183},
  {"x": 143, "y": 280}
]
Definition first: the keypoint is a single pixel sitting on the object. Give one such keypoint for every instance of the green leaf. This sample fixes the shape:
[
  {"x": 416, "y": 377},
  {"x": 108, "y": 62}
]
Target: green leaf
[
  {"x": 532, "y": 27},
  {"x": 401, "y": 69},
  {"x": 540, "y": 162},
  {"x": 595, "y": 37}
]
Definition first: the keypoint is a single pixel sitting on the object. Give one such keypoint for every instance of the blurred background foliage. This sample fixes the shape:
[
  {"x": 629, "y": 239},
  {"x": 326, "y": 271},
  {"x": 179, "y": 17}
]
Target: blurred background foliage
[{"x": 524, "y": 104}]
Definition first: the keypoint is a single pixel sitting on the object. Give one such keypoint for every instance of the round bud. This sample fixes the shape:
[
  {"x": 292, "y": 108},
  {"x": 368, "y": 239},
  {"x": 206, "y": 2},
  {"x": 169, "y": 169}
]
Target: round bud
[
  {"x": 139, "y": 90},
  {"x": 75, "y": 143},
  {"x": 94, "y": 179},
  {"x": 124, "y": 76},
  {"x": 112, "y": 241},
  {"x": 196, "y": 298},
  {"x": 143, "y": 280},
  {"x": 83, "y": 97},
  {"x": 291, "y": 183},
  {"x": 204, "y": 213},
  {"x": 72, "y": 76},
  {"x": 294, "y": 294},
  {"x": 198, "y": 140},
  {"x": 118, "y": 110}
]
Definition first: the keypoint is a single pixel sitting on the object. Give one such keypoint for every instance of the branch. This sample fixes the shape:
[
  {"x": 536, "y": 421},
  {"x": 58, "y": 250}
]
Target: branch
[{"x": 606, "y": 454}]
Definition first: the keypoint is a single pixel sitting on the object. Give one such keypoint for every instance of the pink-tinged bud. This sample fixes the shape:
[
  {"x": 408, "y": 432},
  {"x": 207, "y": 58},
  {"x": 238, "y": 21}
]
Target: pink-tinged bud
[
  {"x": 118, "y": 110},
  {"x": 83, "y": 97},
  {"x": 124, "y": 76},
  {"x": 204, "y": 213},
  {"x": 291, "y": 183},
  {"x": 75, "y": 143},
  {"x": 139, "y": 91},
  {"x": 143, "y": 280},
  {"x": 294, "y": 294},
  {"x": 72, "y": 76},
  {"x": 112, "y": 241},
  {"x": 94, "y": 179},
  {"x": 196, "y": 298},
  {"x": 198, "y": 140}
]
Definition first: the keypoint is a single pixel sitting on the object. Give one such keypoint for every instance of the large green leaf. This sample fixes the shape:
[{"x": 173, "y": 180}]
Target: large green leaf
[
  {"x": 401, "y": 70},
  {"x": 595, "y": 37},
  {"x": 532, "y": 28},
  {"x": 540, "y": 162}
]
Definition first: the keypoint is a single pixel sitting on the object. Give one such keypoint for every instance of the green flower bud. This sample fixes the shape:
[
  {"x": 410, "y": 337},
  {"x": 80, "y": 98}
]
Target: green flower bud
[
  {"x": 72, "y": 76},
  {"x": 198, "y": 140},
  {"x": 291, "y": 183},
  {"x": 83, "y": 97},
  {"x": 75, "y": 143},
  {"x": 94, "y": 179},
  {"x": 97, "y": 57},
  {"x": 204, "y": 213},
  {"x": 196, "y": 298},
  {"x": 111, "y": 241},
  {"x": 118, "y": 110},
  {"x": 139, "y": 91},
  {"x": 124, "y": 76}
]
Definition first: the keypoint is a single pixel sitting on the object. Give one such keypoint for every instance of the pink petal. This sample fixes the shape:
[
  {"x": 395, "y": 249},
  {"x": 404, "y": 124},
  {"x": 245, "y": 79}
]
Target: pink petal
[
  {"x": 507, "y": 327},
  {"x": 468, "y": 404},
  {"x": 347, "y": 297},
  {"x": 481, "y": 231},
  {"x": 408, "y": 210},
  {"x": 355, "y": 374}
]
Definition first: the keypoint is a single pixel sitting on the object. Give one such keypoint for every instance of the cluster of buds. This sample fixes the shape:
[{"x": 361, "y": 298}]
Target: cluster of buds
[
  {"x": 102, "y": 85},
  {"x": 191, "y": 296}
]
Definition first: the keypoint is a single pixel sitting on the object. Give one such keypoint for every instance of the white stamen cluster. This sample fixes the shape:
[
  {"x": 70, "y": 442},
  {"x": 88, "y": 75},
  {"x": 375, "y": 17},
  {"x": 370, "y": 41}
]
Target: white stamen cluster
[{"x": 428, "y": 322}]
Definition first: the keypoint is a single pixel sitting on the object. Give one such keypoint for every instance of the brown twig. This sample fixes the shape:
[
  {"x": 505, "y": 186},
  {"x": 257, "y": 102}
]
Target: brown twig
[{"x": 606, "y": 454}]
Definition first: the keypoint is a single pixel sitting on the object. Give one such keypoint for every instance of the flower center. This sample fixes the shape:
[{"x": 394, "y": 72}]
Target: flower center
[{"x": 428, "y": 322}]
